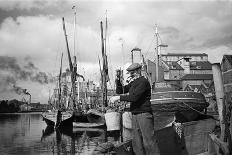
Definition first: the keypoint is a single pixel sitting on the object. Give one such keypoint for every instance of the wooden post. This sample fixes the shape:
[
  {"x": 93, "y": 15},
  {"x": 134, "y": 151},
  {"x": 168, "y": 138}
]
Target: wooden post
[
  {"x": 219, "y": 90},
  {"x": 220, "y": 143}
]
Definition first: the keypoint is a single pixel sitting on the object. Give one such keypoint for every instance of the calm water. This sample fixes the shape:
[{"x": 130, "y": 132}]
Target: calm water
[{"x": 25, "y": 134}]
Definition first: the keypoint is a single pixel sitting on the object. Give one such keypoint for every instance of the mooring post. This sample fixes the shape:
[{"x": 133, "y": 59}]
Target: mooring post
[{"x": 219, "y": 90}]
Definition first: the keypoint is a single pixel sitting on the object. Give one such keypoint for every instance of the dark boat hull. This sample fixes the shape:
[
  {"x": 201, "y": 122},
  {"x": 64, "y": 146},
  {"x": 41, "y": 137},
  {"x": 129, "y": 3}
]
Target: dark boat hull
[
  {"x": 51, "y": 119},
  {"x": 92, "y": 119},
  {"x": 172, "y": 101}
]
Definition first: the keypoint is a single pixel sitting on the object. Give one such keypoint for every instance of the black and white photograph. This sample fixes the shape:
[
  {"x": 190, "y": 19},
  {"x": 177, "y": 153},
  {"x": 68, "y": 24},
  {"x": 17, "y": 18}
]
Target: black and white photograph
[{"x": 116, "y": 77}]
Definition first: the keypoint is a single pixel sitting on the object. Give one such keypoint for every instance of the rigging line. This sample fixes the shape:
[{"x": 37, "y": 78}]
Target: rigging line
[
  {"x": 160, "y": 38},
  {"x": 122, "y": 50},
  {"x": 57, "y": 53},
  {"x": 110, "y": 60},
  {"x": 106, "y": 29},
  {"x": 145, "y": 54},
  {"x": 74, "y": 40}
]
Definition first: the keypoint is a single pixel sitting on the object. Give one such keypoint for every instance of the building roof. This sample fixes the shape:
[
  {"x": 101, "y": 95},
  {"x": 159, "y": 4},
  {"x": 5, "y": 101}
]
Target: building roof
[
  {"x": 197, "y": 77},
  {"x": 200, "y": 65},
  {"x": 185, "y": 54},
  {"x": 172, "y": 65}
]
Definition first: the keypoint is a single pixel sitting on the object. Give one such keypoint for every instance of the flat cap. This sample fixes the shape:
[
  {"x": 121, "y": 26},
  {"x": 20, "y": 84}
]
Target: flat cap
[{"x": 133, "y": 66}]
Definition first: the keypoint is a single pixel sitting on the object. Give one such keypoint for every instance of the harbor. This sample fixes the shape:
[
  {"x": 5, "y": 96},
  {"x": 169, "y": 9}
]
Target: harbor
[
  {"x": 82, "y": 78},
  {"x": 28, "y": 134}
]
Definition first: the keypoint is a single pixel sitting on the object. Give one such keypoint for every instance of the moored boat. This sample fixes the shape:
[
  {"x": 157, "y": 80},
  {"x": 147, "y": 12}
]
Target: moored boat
[
  {"x": 58, "y": 119},
  {"x": 174, "y": 101},
  {"x": 92, "y": 119}
]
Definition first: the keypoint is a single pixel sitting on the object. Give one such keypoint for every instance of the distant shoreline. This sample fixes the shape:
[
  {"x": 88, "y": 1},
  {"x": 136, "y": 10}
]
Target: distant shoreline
[{"x": 29, "y": 112}]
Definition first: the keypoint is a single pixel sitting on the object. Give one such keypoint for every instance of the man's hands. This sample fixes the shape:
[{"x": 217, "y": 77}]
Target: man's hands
[{"x": 114, "y": 99}]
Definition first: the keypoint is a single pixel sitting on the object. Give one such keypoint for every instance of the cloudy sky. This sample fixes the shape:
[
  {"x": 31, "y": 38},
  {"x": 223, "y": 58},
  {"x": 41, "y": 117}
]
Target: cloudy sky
[{"x": 32, "y": 38}]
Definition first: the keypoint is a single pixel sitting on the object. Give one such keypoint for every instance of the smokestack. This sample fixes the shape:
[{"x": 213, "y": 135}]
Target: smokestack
[{"x": 20, "y": 90}]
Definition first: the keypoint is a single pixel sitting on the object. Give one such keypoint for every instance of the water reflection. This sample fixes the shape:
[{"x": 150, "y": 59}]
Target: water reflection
[
  {"x": 81, "y": 140},
  {"x": 18, "y": 133},
  {"x": 28, "y": 134}
]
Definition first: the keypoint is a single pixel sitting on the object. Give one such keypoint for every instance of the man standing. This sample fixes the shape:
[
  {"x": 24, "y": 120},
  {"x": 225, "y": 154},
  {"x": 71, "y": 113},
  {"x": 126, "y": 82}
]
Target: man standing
[{"x": 139, "y": 96}]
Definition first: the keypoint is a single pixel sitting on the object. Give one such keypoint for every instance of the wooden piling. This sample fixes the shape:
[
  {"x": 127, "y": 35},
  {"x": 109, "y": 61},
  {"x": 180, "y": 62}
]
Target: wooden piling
[{"x": 219, "y": 90}]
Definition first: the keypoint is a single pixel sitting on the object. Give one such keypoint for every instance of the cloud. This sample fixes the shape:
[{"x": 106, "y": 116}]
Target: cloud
[
  {"x": 33, "y": 29},
  {"x": 215, "y": 54},
  {"x": 13, "y": 71},
  {"x": 28, "y": 4},
  {"x": 14, "y": 79},
  {"x": 42, "y": 39}
]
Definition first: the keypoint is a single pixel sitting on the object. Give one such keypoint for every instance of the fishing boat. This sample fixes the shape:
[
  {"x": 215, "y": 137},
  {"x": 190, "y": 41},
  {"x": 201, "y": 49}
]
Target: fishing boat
[
  {"x": 58, "y": 117},
  {"x": 173, "y": 101},
  {"x": 169, "y": 101},
  {"x": 91, "y": 118},
  {"x": 94, "y": 118}
]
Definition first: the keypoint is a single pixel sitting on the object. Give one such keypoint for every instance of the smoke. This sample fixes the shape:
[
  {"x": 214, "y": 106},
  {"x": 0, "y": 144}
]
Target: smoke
[
  {"x": 12, "y": 71},
  {"x": 20, "y": 90}
]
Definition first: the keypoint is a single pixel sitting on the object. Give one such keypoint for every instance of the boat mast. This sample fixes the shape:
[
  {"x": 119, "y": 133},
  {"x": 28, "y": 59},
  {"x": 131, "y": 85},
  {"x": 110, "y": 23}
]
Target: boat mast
[
  {"x": 99, "y": 62},
  {"x": 156, "y": 56},
  {"x": 106, "y": 31},
  {"x": 104, "y": 73},
  {"x": 70, "y": 66},
  {"x": 74, "y": 31},
  {"x": 74, "y": 51},
  {"x": 59, "y": 92}
]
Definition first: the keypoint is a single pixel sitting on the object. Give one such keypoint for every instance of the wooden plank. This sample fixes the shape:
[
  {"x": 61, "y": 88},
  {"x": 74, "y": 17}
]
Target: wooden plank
[
  {"x": 220, "y": 143},
  {"x": 196, "y": 144},
  {"x": 197, "y": 127},
  {"x": 195, "y": 134}
]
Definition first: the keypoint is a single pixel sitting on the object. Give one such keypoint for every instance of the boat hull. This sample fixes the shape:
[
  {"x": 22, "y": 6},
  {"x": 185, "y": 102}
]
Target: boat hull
[
  {"x": 51, "y": 119},
  {"x": 172, "y": 101},
  {"x": 92, "y": 119}
]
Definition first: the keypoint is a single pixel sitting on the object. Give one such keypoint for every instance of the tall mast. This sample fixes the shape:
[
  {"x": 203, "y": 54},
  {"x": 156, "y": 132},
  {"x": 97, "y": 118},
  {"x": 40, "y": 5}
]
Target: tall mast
[
  {"x": 75, "y": 77},
  {"x": 156, "y": 56},
  {"x": 106, "y": 31},
  {"x": 104, "y": 73},
  {"x": 74, "y": 31},
  {"x": 74, "y": 51},
  {"x": 67, "y": 46},
  {"x": 70, "y": 66},
  {"x": 100, "y": 72},
  {"x": 59, "y": 92}
]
